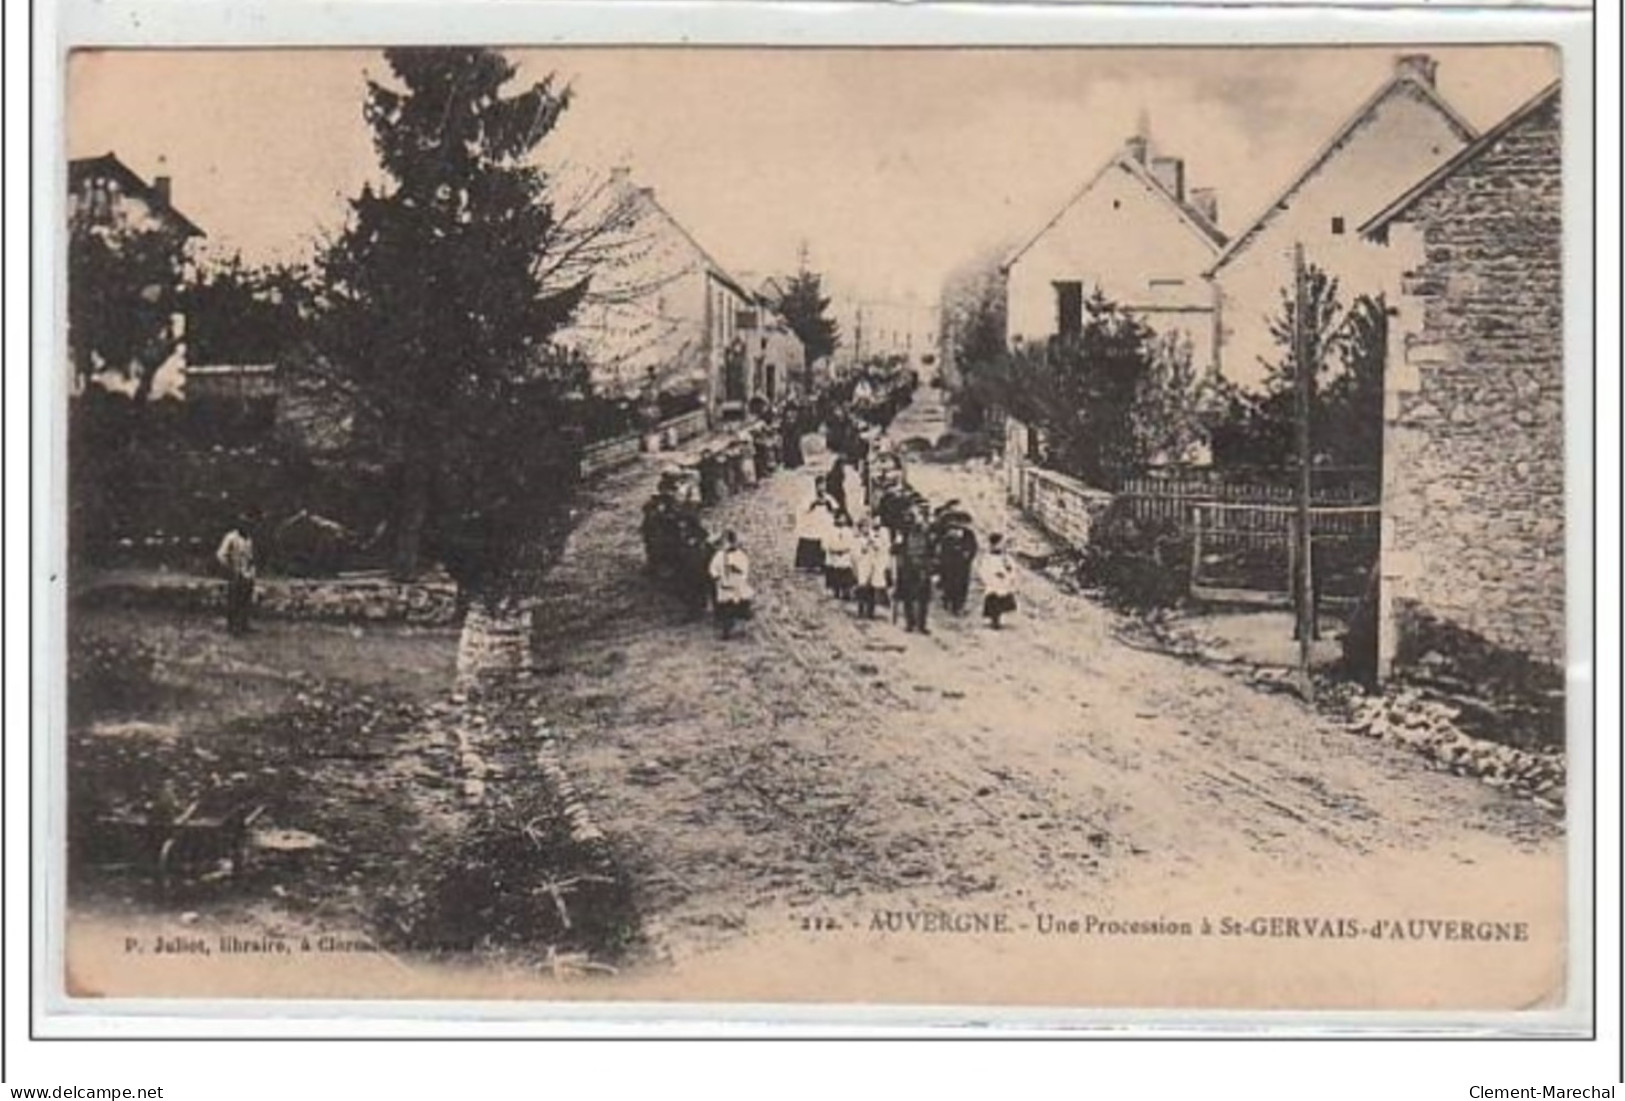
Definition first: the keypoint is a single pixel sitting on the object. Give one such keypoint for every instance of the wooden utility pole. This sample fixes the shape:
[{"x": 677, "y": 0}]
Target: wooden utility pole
[{"x": 1302, "y": 353}]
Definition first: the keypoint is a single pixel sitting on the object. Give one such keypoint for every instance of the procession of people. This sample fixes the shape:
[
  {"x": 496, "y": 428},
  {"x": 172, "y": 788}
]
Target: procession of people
[
  {"x": 869, "y": 537},
  {"x": 876, "y": 541}
]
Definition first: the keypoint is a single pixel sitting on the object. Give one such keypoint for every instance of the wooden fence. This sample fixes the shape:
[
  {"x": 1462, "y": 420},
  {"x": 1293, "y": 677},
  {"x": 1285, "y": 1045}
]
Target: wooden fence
[
  {"x": 1169, "y": 500},
  {"x": 1247, "y": 553},
  {"x": 1238, "y": 523}
]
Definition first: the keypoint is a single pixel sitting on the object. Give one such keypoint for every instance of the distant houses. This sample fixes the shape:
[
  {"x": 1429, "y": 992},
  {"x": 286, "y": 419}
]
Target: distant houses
[
  {"x": 1473, "y": 486},
  {"x": 1140, "y": 234},
  {"x": 877, "y": 329},
  {"x": 664, "y": 312},
  {"x": 1460, "y": 234},
  {"x": 1132, "y": 232},
  {"x": 1404, "y": 130},
  {"x": 107, "y": 197},
  {"x": 104, "y": 189},
  {"x": 774, "y": 356}
]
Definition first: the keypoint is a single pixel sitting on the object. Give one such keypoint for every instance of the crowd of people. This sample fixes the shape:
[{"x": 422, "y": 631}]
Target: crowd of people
[
  {"x": 878, "y": 542},
  {"x": 873, "y": 539},
  {"x": 700, "y": 569}
]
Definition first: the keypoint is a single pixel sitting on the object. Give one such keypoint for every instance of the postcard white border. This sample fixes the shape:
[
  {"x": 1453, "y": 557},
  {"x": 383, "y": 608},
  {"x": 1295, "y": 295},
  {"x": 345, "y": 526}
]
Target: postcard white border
[{"x": 748, "y": 22}]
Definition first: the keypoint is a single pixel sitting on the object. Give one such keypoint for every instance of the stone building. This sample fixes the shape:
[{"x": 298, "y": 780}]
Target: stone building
[
  {"x": 1136, "y": 234},
  {"x": 1402, "y": 131},
  {"x": 1473, "y": 517}
]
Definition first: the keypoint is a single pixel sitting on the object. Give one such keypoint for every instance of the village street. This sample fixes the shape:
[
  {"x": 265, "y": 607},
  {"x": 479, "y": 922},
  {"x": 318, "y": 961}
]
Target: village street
[{"x": 786, "y": 787}]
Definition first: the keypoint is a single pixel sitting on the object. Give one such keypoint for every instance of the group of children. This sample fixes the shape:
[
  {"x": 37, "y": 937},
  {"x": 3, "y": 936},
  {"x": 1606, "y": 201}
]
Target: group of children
[
  {"x": 894, "y": 560},
  {"x": 853, "y": 557}
]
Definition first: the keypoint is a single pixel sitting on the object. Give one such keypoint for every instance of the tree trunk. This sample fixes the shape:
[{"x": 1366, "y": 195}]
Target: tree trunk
[
  {"x": 411, "y": 514},
  {"x": 494, "y": 645}
]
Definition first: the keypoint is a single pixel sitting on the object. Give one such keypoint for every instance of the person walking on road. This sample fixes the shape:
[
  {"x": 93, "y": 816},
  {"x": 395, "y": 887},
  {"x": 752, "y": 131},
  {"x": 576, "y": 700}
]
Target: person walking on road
[
  {"x": 869, "y": 560},
  {"x": 835, "y": 482},
  {"x": 236, "y": 558},
  {"x": 998, "y": 575},
  {"x": 813, "y": 525},
  {"x": 956, "y": 550},
  {"x": 730, "y": 575},
  {"x": 839, "y": 550},
  {"x": 914, "y": 563},
  {"x": 791, "y": 426},
  {"x": 693, "y": 549}
]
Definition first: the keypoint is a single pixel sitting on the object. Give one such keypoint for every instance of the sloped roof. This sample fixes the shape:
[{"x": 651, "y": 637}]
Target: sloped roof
[
  {"x": 716, "y": 269},
  {"x": 108, "y": 164},
  {"x": 1400, "y": 83},
  {"x": 1123, "y": 160},
  {"x": 1469, "y": 153}
]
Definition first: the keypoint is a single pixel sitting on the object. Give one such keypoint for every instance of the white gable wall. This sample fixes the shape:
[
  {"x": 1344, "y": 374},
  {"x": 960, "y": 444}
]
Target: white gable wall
[
  {"x": 1403, "y": 140},
  {"x": 648, "y": 306},
  {"x": 1132, "y": 245}
]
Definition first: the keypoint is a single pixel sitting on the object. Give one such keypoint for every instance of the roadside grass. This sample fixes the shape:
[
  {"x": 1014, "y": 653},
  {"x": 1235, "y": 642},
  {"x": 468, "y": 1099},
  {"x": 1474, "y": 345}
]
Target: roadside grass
[{"x": 343, "y": 740}]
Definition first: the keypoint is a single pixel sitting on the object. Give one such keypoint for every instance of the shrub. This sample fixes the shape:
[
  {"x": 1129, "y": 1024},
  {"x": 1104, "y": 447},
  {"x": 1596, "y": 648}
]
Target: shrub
[
  {"x": 505, "y": 884},
  {"x": 1139, "y": 565},
  {"x": 957, "y": 446}
]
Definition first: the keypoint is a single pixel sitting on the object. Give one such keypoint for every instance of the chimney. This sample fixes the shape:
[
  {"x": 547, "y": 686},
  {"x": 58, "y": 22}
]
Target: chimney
[
  {"x": 1136, "y": 147},
  {"x": 620, "y": 174},
  {"x": 1170, "y": 173},
  {"x": 160, "y": 187},
  {"x": 1418, "y": 67},
  {"x": 1205, "y": 201},
  {"x": 647, "y": 193}
]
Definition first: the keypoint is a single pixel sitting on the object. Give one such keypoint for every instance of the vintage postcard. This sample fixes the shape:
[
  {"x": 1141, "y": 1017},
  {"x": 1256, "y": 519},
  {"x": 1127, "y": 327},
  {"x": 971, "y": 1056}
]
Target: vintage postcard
[{"x": 1052, "y": 528}]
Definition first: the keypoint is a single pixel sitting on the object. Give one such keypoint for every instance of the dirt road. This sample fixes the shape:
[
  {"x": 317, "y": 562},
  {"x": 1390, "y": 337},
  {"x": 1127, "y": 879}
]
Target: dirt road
[{"x": 778, "y": 795}]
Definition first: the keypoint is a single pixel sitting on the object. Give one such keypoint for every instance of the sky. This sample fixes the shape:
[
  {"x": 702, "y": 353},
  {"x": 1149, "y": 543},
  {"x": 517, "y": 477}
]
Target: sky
[{"x": 891, "y": 166}]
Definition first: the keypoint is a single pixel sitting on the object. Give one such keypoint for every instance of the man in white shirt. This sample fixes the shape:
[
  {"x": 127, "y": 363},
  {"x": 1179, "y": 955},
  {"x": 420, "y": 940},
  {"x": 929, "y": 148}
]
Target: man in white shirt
[{"x": 236, "y": 558}]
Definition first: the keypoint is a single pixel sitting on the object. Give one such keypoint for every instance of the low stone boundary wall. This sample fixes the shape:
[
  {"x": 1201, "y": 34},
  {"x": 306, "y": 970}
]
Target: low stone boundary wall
[
  {"x": 679, "y": 430},
  {"x": 1064, "y": 507},
  {"x": 610, "y": 454},
  {"x": 618, "y": 452},
  {"x": 344, "y": 599}
]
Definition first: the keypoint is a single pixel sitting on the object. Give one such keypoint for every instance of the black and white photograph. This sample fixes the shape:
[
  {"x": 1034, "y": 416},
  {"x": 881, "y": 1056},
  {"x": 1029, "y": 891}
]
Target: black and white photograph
[{"x": 1058, "y": 527}]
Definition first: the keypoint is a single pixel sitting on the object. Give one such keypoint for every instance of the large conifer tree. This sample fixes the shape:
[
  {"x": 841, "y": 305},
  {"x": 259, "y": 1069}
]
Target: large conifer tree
[{"x": 438, "y": 314}]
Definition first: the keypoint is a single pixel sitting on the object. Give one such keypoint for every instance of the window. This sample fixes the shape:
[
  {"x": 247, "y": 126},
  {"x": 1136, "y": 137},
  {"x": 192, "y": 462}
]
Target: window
[
  {"x": 1068, "y": 309},
  {"x": 1337, "y": 226}
]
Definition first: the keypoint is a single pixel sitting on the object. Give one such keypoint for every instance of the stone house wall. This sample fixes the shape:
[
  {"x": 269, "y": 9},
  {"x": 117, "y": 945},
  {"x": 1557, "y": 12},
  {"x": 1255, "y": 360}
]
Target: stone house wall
[{"x": 1473, "y": 502}]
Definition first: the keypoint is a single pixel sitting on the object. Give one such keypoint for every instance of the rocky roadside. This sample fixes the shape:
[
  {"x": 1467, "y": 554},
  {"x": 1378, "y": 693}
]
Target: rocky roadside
[
  {"x": 1402, "y": 714},
  {"x": 519, "y": 872}
]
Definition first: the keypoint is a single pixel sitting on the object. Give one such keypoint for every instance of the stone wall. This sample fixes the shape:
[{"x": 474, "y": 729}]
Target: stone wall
[
  {"x": 346, "y": 600},
  {"x": 615, "y": 453},
  {"x": 609, "y": 455},
  {"x": 492, "y": 646},
  {"x": 1016, "y": 442},
  {"x": 679, "y": 430},
  {"x": 1473, "y": 447},
  {"x": 1064, "y": 507}
]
